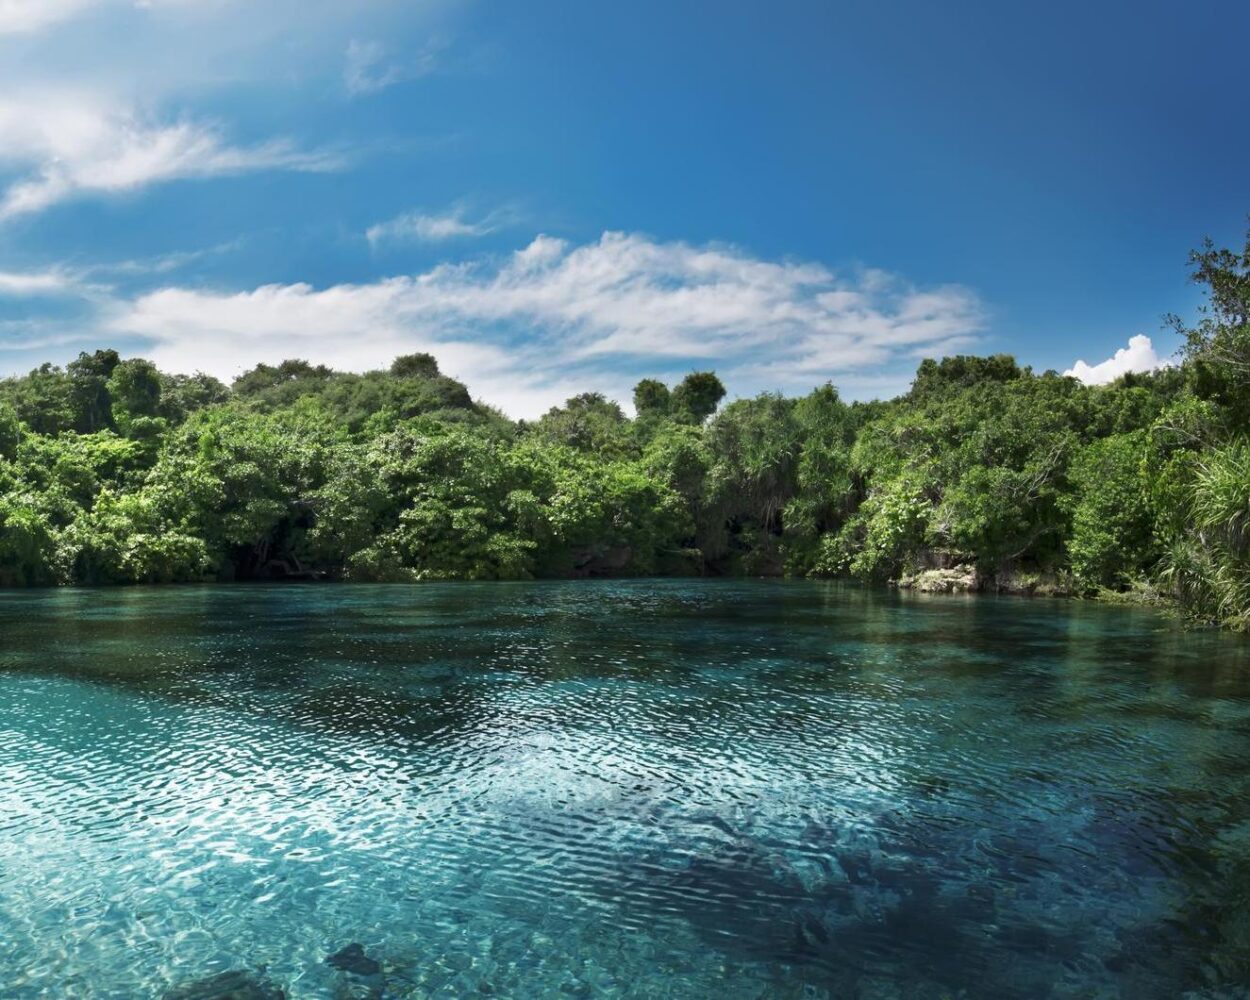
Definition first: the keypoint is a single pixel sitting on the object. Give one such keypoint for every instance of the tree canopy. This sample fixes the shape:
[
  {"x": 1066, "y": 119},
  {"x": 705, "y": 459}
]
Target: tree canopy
[{"x": 114, "y": 472}]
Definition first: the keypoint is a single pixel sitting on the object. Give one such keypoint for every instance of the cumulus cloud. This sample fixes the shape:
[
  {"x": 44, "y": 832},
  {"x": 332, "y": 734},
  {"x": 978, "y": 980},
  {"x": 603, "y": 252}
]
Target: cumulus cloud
[
  {"x": 554, "y": 317},
  {"x": 1138, "y": 356},
  {"x": 66, "y": 145}
]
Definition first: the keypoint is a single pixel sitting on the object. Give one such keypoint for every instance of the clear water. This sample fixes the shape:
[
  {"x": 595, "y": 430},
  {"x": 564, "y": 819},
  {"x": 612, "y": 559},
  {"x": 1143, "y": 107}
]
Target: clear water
[{"x": 726, "y": 790}]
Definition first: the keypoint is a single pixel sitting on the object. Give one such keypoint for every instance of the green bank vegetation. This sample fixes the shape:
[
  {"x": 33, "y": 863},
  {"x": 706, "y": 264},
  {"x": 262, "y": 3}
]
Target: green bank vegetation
[{"x": 984, "y": 474}]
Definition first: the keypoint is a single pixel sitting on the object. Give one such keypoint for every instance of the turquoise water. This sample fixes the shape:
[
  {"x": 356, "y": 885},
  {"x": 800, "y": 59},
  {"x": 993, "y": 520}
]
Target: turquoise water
[{"x": 674, "y": 789}]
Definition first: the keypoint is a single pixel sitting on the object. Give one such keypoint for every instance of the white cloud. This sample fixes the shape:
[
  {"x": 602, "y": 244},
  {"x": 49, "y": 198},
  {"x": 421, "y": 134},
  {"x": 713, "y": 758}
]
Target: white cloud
[
  {"x": 162, "y": 263},
  {"x": 421, "y": 227},
  {"x": 1139, "y": 356},
  {"x": 22, "y": 284},
  {"x": 25, "y": 16},
  {"x": 105, "y": 96},
  {"x": 368, "y": 69},
  {"x": 63, "y": 283},
  {"x": 21, "y": 17},
  {"x": 552, "y": 318},
  {"x": 70, "y": 144}
]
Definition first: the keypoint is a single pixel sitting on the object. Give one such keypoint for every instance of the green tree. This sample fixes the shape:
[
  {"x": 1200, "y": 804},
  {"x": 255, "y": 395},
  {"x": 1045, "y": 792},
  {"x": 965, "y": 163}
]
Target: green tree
[
  {"x": 652, "y": 398},
  {"x": 427, "y": 501},
  {"x": 44, "y": 400},
  {"x": 135, "y": 390},
  {"x": 415, "y": 366},
  {"x": 697, "y": 396},
  {"x": 89, "y": 377},
  {"x": 10, "y": 432},
  {"x": 1112, "y": 538},
  {"x": 825, "y": 493},
  {"x": 1219, "y": 584},
  {"x": 27, "y": 544},
  {"x": 756, "y": 448},
  {"x": 1217, "y": 348},
  {"x": 588, "y": 422},
  {"x": 182, "y": 395}
]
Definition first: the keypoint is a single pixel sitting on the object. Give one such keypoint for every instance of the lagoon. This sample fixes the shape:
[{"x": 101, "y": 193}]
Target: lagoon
[{"x": 617, "y": 789}]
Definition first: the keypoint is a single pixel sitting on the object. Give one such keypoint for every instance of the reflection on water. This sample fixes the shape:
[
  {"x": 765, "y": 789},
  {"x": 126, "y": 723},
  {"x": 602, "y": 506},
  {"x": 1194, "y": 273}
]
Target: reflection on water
[{"x": 624, "y": 790}]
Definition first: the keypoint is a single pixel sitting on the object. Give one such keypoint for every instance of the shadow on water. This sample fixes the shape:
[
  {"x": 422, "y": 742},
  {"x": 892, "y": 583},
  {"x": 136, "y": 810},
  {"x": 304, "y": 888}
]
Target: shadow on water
[{"x": 908, "y": 901}]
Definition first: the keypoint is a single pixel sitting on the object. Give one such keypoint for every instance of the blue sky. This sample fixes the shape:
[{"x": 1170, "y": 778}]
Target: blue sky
[{"x": 553, "y": 197}]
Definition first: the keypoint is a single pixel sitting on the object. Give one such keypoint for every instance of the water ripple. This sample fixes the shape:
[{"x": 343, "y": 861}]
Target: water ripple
[{"x": 618, "y": 790}]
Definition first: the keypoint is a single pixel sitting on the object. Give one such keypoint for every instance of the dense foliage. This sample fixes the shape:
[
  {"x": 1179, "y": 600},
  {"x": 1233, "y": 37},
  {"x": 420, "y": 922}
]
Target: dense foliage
[{"x": 114, "y": 472}]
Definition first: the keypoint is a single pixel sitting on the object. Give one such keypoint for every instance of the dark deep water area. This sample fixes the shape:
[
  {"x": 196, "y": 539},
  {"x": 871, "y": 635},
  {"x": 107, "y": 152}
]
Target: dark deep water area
[{"x": 619, "y": 789}]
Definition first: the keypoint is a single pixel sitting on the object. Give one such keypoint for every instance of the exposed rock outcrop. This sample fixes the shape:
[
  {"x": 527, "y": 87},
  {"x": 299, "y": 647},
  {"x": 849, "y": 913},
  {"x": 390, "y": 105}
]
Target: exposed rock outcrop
[{"x": 957, "y": 580}]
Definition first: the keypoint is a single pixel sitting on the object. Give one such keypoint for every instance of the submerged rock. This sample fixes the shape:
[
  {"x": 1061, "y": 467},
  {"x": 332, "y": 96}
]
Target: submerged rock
[
  {"x": 235, "y": 985},
  {"x": 744, "y": 898},
  {"x": 354, "y": 960}
]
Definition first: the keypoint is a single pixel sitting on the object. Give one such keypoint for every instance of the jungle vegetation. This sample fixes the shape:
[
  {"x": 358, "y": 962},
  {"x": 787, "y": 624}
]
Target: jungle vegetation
[{"x": 114, "y": 472}]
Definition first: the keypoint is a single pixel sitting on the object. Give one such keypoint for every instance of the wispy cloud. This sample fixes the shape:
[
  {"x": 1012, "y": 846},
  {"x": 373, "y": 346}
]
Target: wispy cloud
[
  {"x": 524, "y": 328},
  {"x": 65, "y": 145},
  {"x": 426, "y": 227},
  {"x": 1139, "y": 356},
  {"x": 162, "y": 263},
  {"x": 369, "y": 68},
  {"x": 58, "y": 287},
  {"x": 24, "y": 284}
]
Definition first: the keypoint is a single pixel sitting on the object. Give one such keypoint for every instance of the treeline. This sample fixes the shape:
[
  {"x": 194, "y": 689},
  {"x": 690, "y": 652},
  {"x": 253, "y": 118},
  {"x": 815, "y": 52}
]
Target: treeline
[{"x": 984, "y": 473}]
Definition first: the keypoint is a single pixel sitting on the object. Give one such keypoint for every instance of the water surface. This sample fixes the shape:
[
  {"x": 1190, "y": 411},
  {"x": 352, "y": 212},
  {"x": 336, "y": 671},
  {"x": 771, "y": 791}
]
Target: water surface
[{"x": 672, "y": 789}]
